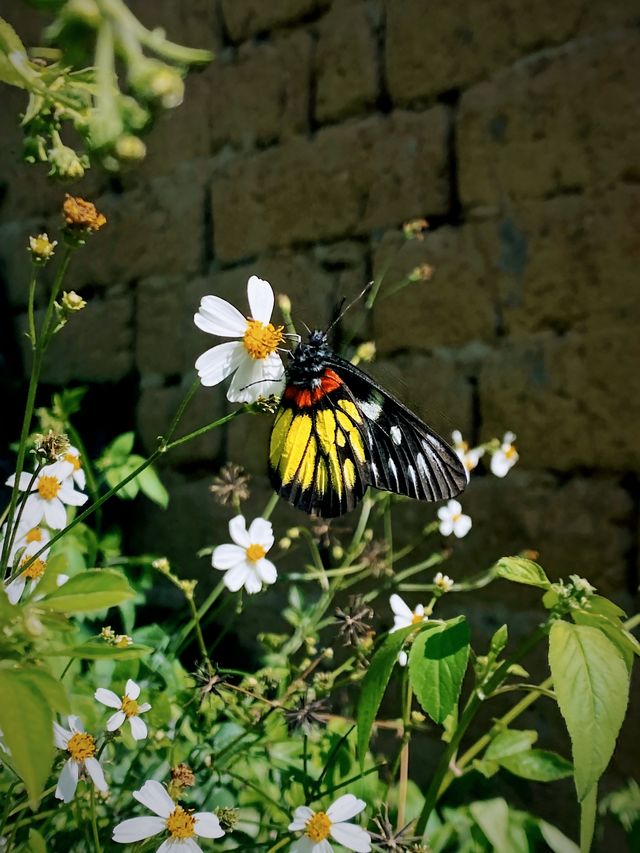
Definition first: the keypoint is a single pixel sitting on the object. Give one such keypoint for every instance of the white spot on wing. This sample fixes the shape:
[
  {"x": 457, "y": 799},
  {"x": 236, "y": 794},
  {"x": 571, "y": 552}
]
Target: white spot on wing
[
  {"x": 371, "y": 410},
  {"x": 374, "y": 470},
  {"x": 394, "y": 471},
  {"x": 396, "y": 435},
  {"x": 412, "y": 474},
  {"x": 425, "y": 473}
]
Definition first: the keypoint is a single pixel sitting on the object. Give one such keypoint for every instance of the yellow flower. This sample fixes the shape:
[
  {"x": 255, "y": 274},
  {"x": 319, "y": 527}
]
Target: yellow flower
[
  {"x": 42, "y": 248},
  {"x": 71, "y": 301},
  {"x": 81, "y": 215}
]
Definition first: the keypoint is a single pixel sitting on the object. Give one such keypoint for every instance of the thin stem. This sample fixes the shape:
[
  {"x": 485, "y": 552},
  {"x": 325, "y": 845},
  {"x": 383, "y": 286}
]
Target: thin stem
[
  {"x": 202, "y": 611},
  {"x": 181, "y": 409},
  {"x": 271, "y": 504},
  {"x": 403, "y": 783},
  {"x": 94, "y": 822},
  {"x": 16, "y": 524},
  {"x": 198, "y": 629},
  {"x": 31, "y": 306}
]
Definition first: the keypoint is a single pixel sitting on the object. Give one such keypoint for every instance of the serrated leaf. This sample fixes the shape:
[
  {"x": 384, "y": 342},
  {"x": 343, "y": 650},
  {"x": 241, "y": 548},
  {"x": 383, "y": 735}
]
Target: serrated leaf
[
  {"x": 591, "y": 683},
  {"x": 557, "y": 841},
  {"x": 521, "y": 570},
  {"x": 437, "y": 664},
  {"x": 151, "y": 486},
  {"x": 27, "y": 728},
  {"x": 538, "y": 765},
  {"x": 509, "y": 743},
  {"x": 614, "y": 630},
  {"x": 98, "y": 649},
  {"x": 92, "y": 590},
  {"x": 588, "y": 808},
  {"x": 492, "y": 816},
  {"x": 374, "y": 685}
]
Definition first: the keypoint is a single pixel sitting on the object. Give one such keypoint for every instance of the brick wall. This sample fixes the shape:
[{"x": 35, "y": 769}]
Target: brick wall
[{"x": 513, "y": 127}]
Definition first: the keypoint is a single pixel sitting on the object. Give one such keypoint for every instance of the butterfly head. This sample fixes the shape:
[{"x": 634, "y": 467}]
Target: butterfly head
[{"x": 308, "y": 360}]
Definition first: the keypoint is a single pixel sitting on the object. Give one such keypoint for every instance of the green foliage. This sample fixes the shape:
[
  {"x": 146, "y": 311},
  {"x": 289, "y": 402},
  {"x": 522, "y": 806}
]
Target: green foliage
[
  {"x": 521, "y": 570},
  {"x": 437, "y": 664},
  {"x": 95, "y": 589}
]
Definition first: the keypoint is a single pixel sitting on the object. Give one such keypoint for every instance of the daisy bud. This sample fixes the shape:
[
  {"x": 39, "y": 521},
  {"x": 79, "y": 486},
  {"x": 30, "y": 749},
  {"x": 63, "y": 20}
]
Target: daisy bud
[
  {"x": 366, "y": 351},
  {"x": 228, "y": 817},
  {"x": 51, "y": 446},
  {"x": 66, "y": 164},
  {"x": 108, "y": 634},
  {"x": 71, "y": 301},
  {"x": 284, "y": 303},
  {"x": 81, "y": 219},
  {"x": 41, "y": 248},
  {"x": 402, "y": 658},
  {"x": 293, "y": 533},
  {"x": 417, "y": 717},
  {"x": 123, "y": 641},
  {"x": 337, "y": 552},
  {"x": 413, "y": 229},
  {"x": 162, "y": 565},
  {"x": 285, "y": 543},
  {"x": 182, "y": 776},
  {"x": 130, "y": 149},
  {"x": 423, "y": 272},
  {"x": 188, "y": 587}
]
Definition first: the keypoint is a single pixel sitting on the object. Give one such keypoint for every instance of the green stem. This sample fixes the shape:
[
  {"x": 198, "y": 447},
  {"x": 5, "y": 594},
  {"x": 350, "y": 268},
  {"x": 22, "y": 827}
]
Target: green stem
[
  {"x": 31, "y": 306},
  {"x": 16, "y": 525},
  {"x": 92, "y": 482},
  {"x": 473, "y": 705},
  {"x": 181, "y": 409},
  {"x": 199, "y": 637},
  {"x": 202, "y": 611},
  {"x": 403, "y": 783},
  {"x": 94, "y": 822},
  {"x": 271, "y": 504}
]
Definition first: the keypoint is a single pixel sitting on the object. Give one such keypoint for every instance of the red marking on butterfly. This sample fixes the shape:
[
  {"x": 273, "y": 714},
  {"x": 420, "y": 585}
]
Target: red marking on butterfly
[{"x": 304, "y": 398}]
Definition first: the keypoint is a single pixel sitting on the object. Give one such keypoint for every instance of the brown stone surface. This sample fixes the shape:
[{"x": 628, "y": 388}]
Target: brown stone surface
[
  {"x": 350, "y": 179},
  {"x": 243, "y": 113},
  {"x": 346, "y": 61},
  {"x": 572, "y": 400},
  {"x": 546, "y": 126},
  {"x": 244, "y": 18}
]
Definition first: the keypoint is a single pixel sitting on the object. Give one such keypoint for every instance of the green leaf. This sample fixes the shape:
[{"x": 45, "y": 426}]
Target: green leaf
[
  {"x": 492, "y": 816},
  {"x": 521, "y": 570},
  {"x": 588, "y": 808},
  {"x": 119, "y": 449},
  {"x": 374, "y": 685},
  {"x": 509, "y": 743},
  {"x": 37, "y": 844},
  {"x": 437, "y": 664},
  {"x": 557, "y": 841},
  {"x": 151, "y": 486},
  {"x": 98, "y": 649},
  {"x": 92, "y": 590},
  {"x": 599, "y": 604},
  {"x": 539, "y": 765},
  {"x": 487, "y": 768},
  {"x": 10, "y": 43},
  {"x": 51, "y": 688},
  {"x": 26, "y": 721},
  {"x": 591, "y": 683},
  {"x": 614, "y": 630}
]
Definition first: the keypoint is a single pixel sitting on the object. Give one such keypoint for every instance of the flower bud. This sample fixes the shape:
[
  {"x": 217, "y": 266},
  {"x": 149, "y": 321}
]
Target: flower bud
[
  {"x": 366, "y": 351},
  {"x": 41, "y": 248},
  {"x": 65, "y": 163},
  {"x": 130, "y": 149},
  {"x": 71, "y": 301}
]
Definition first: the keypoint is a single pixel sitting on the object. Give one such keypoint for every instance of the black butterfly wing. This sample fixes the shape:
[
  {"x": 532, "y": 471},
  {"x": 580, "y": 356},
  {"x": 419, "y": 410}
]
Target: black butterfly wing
[{"x": 405, "y": 456}]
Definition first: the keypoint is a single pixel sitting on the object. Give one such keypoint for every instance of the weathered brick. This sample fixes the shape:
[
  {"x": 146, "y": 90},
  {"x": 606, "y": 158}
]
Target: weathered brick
[
  {"x": 94, "y": 346},
  {"x": 156, "y": 409},
  {"x": 193, "y": 23},
  {"x": 564, "y": 120},
  {"x": 361, "y": 176},
  {"x": 434, "y": 47},
  {"x": 572, "y": 400},
  {"x": 244, "y": 18},
  {"x": 452, "y": 308},
  {"x": 346, "y": 62},
  {"x": 245, "y": 113}
]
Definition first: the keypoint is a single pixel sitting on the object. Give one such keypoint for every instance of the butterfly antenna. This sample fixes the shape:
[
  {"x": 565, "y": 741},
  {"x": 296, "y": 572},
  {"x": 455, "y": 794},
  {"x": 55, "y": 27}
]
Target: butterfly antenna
[{"x": 342, "y": 311}]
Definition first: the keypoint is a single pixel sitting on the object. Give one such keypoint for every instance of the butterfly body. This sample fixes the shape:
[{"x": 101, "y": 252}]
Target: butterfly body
[{"x": 337, "y": 432}]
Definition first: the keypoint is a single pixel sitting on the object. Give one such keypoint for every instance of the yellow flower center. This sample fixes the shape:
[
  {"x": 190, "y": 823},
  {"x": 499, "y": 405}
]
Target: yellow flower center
[
  {"x": 317, "y": 827},
  {"x": 456, "y": 517},
  {"x": 81, "y": 746},
  {"x": 417, "y": 617},
  {"x": 33, "y": 535},
  {"x": 255, "y": 553},
  {"x": 260, "y": 340},
  {"x": 510, "y": 452},
  {"x": 35, "y": 570},
  {"x": 48, "y": 487},
  {"x": 75, "y": 461},
  {"x": 181, "y": 824},
  {"x": 129, "y": 706}
]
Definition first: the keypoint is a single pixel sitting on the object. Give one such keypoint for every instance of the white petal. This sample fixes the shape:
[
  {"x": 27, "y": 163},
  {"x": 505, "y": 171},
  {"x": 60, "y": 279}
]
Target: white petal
[
  {"x": 345, "y": 807},
  {"x": 400, "y": 608},
  {"x": 55, "y": 514},
  {"x": 137, "y": 828},
  {"x": 443, "y": 513},
  {"x": 131, "y": 689},
  {"x": 94, "y": 770},
  {"x": 61, "y": 736},
  {"x": 25, "y": 479},
  {"x": 351, "y": 836},
  {"x": 300, "y": 818},
  {"x": 267, "y": 572},
  {"x": 499, "y": 464},
  {"x": 260, "y": 295},
  {"x": 226, "y": 556},
  {"x": 69, "y": 496},
  {"x": 257, "y": 377},
  {"x": 74, "y": 723},
  {"x": 60, "y": 470},
  {"x": 80, "y": 478},
  {"x": 138, "y": 728},
  {"x": 446, "y": 527},
  {"x": 462, "y": 526},
  {"x": 303, "y": 845},
  {"x": 252, "y": 582},
  {"x": 456, "y": 436},
  {"x": 509, "y": 437},
  {"x": 68, "y": 782},
  {"x": 220, "y": 361},
  {"x": 261, "y": 533},
  {"x": 61, "y": 579},
  {"x": 33, "y": 510},
  {"x": 419, "y": 611},
  {"x": 399, "y": 622},
  {"x": 238, "y": 531},
  {"x": 454, "y": 507},
  {"x": 219, "y": 317},
  {"x": 236, "y": 577},
  {"x": 155, "y": 797},
  {"x": 208, "y": 825},
  {"x": 115, "y": 721},
  {"x": 144, "y": 708},
  {"x": 178, "y": 845},
  {"x": 15, "y": 589},
  {"x": 107, "y": 697},
  {"x": 402, "y": 658}
]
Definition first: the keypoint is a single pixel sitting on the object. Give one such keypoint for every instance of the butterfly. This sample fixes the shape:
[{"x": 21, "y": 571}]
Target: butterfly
[{"x": 337, "y": 432}]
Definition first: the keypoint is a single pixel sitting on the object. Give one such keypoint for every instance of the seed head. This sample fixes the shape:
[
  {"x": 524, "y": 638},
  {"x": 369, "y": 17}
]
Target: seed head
[
  {"x": 306, "y": 714},
  {"x": 81, "y": 217},
  {"x": 51, "y": 446},
  {"x": 231, "y": 484},
  {"x": 353, "y": 621}
]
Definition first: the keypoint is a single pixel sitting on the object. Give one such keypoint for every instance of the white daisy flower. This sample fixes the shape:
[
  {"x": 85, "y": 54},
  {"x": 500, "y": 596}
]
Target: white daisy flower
[
  {"x": 182, "y": 825},
  {"x": 403, "y": 657},
  {"x": 128, "y": 708},
  {"x": 72, "y": 456},
  {"x": 505, "y": 457},
  {"x": 258, "y": 368},
  {"x": 32, "y": 575},
  {"x": 469, "y": 456},
  {"x": 403, "y": 615},
  {"x": 244, "y": 562},
  {"x": 443, "y": 582},
  {"x": 318, "y": 826},
  {"x": 28, "y": 537},
  {"x": 453, "y": 520},
  {"x": 81, "y": 748},
  {"x": 50, "y": 492}
]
